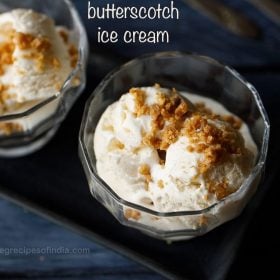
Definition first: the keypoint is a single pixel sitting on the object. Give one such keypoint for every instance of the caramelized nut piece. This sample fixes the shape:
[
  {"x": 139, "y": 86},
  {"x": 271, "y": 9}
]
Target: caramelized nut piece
[{"x": 132, "y": 214}]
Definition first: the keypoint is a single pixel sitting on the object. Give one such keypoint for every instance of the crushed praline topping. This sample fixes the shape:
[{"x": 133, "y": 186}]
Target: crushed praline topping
[
  {"x": 220, "y": 189},
  {"x": 74, "y": 54},
  {"x": 160, "y": 184},
  {"x": 214, "y": 142},
  {"x": 64, "y": 35},
  {"x": 40, "y": 49},
  {"x": 144, "y": 170},
  {"x": 6, "y": 55},
  {"x": 216, "y": 137},
  {"x": 115, "y": 144},
  {"x": 8, "y": 128},
  {"x": 132, "y": 214},
  {"x": 235, "y": 122}
]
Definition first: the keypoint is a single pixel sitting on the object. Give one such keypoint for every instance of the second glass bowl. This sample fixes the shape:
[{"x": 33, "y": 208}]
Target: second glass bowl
[
  {"x": 185, "y": 72},
  {"x": 43, "y": 119}
]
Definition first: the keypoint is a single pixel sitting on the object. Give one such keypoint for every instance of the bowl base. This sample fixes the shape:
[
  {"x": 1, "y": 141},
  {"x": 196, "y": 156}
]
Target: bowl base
[{"x": 31, "y": 147}]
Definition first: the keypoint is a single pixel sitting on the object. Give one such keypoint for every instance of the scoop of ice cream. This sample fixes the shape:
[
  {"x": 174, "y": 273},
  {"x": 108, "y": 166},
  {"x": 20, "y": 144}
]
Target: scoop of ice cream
[
  {"x": 35, "y": 57},
  {"x": 156, "y": 149}
]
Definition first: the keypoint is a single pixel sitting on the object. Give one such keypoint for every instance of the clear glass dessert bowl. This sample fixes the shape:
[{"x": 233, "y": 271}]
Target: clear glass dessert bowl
[
  {"x": 41, "y": 120},
  {"x": 190, "y": 73}
]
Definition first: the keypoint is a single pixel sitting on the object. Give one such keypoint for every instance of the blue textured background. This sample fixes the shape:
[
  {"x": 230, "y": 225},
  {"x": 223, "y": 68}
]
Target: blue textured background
[{"x": 194, "y": 32}]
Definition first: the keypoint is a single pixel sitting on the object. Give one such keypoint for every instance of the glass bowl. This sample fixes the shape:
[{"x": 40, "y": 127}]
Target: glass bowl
[
  {"x": 185, "y": 72},
  {"x": 42, "y": 120}
]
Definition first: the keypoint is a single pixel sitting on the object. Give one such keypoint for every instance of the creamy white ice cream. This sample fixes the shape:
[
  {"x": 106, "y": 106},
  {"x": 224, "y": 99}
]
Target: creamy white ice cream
[
  {"x": 36, "y": 57},
  {"x": 157, "y": 150}
]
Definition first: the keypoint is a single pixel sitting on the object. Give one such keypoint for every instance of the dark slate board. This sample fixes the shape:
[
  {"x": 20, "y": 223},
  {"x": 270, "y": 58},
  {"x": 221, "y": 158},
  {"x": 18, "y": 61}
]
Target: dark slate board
[
  {"x": 52, "y": 182},
  {"x": 56, "y": 248}
]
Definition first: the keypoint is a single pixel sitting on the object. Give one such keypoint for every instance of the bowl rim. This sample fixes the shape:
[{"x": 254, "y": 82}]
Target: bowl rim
[
  {"x": 84, "y": 155},
  {"x": 67, "y": 83}
]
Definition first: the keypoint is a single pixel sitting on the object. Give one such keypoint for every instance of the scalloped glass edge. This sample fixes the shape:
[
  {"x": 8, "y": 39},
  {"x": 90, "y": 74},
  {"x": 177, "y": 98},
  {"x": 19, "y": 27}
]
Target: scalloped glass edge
[
  {"x": 83, "y": 49},
  {"x": 168, "y": 234}
]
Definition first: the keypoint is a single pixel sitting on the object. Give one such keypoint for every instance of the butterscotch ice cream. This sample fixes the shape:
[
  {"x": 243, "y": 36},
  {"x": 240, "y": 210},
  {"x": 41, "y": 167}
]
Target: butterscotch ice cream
[
  {"x": 171, "y": 151},
  {"x": 36, "y": 57}
]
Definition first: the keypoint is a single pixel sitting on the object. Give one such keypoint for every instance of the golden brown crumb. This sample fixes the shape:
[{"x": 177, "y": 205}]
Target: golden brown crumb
[
  {"x": 115, "y": 144},
  {"x": 234, "y": 121},
  {"x": 160, "y": 184},
  {"x": 24, "y": 40},
  {"x": 132, "y": 214},
  {"x": 4, "y": 96},
  {"x": 136, "y": 150},
  {"x": 151, "y": 140},
  {"x": 3, "y": 88},
  {"x": 181, "y": 110},
  {"x": 203, "y": 220},
  {"x": 140, "y": 97},
  {"x": 157, "y": 86},
  {"x": 64, "y": 35},
  {"x": 144, "y": 170},
  {"x": 41, "y": 44},
  {"x": 201, "y": 107},
  {"x": 58, "y": 86},
  {"x": 39, "y": 58},
  {"x": 8, "y": 128},
  {"x": 169, "y": 135},
  {"x": 161, "y": 97},
  {"x": 108, "y": 127},
  {"x": 28, "y": 41},
  {"x": 76, "y": 81},
  {"x": 220, "y": 189},
  {"x": 191, "y": 149},
  {"x": 74, "y": 55},
  {"x": 6, "y": 55},
  {"x": 206, "y": 197},
  {"x": 56, "y": 63}
]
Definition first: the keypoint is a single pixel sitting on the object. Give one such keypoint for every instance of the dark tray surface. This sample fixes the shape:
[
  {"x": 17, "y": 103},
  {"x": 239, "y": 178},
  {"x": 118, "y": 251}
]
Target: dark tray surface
[{"x": 52, "y": 182}]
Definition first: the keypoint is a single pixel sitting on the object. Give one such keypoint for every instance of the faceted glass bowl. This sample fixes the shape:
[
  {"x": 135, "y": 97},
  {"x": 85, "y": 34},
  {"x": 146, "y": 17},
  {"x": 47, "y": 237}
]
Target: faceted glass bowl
[
  {"x": 185, "y": 72},
  {"x": 43, "y": 119}
]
